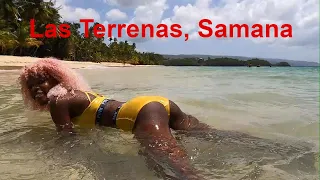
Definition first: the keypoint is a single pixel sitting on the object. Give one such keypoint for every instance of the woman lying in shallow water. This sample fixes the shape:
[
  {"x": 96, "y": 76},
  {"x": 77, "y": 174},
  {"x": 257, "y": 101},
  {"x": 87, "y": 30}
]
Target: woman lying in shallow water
[{"x": 50, "y": 85}]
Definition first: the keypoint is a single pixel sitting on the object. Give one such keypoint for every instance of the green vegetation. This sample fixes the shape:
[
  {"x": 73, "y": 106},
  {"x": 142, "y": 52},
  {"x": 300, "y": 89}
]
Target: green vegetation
[
  {"x": 182, "y": 62},
  {"x": 15, "y": 38},
  {"x": 223, "y": 61},
  {"x": 282, "y": 64},
  {"x": 258, "y": 62}
]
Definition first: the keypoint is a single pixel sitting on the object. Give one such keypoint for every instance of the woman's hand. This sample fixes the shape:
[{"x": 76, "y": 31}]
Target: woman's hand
[{"x": 66, "y": 129}]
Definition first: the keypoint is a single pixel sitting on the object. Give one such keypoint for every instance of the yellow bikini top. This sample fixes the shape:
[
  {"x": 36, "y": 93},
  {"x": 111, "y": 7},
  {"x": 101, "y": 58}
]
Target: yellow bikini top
[{"x": 92, "y": 113}]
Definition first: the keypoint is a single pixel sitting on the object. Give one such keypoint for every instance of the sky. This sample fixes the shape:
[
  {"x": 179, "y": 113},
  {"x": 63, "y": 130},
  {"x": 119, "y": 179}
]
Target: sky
[{"x": 303, "y": 15}]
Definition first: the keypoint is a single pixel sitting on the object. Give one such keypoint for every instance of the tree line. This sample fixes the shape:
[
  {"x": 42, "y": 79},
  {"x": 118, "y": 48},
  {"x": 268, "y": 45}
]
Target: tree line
[
  {"x": 15, "y": 37},
  {"x": 223, "y": 61}
]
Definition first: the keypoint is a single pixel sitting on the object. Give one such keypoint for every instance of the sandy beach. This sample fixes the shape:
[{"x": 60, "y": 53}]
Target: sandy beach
[{"x": 16, "y": 62}]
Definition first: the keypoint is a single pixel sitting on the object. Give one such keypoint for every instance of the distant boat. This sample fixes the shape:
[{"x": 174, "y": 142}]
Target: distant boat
[{"x": 258, "y": 66}]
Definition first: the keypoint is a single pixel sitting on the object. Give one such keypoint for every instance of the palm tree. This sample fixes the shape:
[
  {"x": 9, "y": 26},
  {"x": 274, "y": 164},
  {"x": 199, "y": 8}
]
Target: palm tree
[
  {"x": 43, "y": 12},
  {"x": 7, "y": 41},
  {"x": 14, "y": 36},
  {"x": 110, "y": 40},
  {"x": 9, "y": 10},
  {"x": 115, "y": 40},
  {"x": 134, "y": 46},
  {"x": 23, "y": 38}
]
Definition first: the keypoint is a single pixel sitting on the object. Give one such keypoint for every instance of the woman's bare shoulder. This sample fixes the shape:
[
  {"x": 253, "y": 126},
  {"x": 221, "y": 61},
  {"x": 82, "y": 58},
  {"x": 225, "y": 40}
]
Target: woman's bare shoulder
[{"x": 65, "y": 99}]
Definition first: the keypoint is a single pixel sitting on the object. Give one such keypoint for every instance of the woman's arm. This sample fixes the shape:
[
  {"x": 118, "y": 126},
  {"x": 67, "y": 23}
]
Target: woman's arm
[
  {"x": 182, "y": 121},
  {"x": 152, "y": 131},
  {"x": 59, "y": 111}
]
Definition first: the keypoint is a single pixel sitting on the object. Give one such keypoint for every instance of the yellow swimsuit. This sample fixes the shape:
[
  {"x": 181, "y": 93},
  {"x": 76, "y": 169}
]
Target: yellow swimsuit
[
  {"x": 125, "y": 115},
  {"x": 92, "y": 113}
]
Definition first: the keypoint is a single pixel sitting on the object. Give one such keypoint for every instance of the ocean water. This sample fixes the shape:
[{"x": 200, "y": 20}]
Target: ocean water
[{"x": 277, "y": 106}]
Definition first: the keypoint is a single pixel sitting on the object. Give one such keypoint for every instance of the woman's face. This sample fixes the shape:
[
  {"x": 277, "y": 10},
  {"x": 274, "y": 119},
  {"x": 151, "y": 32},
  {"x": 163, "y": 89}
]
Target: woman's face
[{"x": 39, "y": 86}]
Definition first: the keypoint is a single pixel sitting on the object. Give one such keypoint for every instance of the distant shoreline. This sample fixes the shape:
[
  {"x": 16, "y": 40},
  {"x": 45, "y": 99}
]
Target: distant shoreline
[
  {"x": 17, "y": 62},
  {"x": 293, "y": 63},
  {"x": 8, "y": 62},
  {"x": 224, "y": 61}
]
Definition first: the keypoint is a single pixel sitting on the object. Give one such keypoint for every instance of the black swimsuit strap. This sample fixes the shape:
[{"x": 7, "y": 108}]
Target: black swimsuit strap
[
  {"x": 115, "y": 114},
  {"x": 100, "y": 110}
]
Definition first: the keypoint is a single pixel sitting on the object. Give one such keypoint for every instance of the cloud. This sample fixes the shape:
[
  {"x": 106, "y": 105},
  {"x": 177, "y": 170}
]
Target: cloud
[
  {"x": 301, "y": 14},
  {"x": 128, "y": 3},
  {"x": 148, "y": 14},
  {"x": 116, "y": 15},
  {"x": 105, "y": 23},
  {"x": 74, "y": 14}
]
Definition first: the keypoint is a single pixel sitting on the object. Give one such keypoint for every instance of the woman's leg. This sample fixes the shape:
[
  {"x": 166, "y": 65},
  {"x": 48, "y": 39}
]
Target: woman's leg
[
  {"x": 153, "y": 132},
  {"x": 182, "y": 121}
]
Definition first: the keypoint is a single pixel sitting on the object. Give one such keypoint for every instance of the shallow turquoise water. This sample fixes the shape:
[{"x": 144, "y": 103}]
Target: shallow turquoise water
[
  {"x": 232, "y": 98},
  {"x": 276, "y": 103}
]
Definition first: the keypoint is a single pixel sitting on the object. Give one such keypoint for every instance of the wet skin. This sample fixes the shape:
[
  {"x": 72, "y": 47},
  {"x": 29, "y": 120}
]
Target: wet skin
[
  {"x": 152, "y": 127},
  {"x": 39, "y": 87}
]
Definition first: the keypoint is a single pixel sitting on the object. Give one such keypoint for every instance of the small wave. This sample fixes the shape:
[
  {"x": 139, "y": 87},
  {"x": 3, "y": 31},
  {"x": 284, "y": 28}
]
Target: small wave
[
  {"x": 247, "y": 157},
  {"x": 205, "y": 104},
  {"x": 279, "y": 77},
  {"x": 263, "y": 97}
]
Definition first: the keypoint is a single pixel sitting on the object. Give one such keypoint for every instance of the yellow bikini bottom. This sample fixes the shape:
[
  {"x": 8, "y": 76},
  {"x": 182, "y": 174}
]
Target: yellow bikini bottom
[{"x": 126, "y": 114}]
